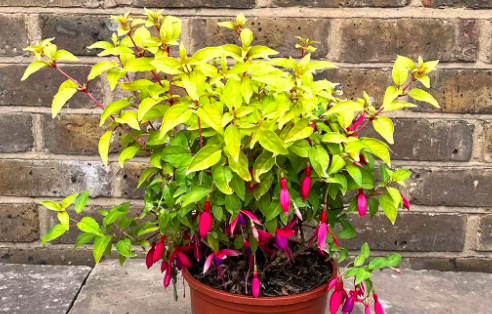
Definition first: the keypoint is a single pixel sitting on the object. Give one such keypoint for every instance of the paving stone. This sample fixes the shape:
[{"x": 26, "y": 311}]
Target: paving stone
[{"x": 39, "y": 289}]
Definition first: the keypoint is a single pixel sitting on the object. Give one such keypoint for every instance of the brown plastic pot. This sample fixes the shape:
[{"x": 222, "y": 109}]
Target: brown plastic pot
[{"x": 206, "y": 300}]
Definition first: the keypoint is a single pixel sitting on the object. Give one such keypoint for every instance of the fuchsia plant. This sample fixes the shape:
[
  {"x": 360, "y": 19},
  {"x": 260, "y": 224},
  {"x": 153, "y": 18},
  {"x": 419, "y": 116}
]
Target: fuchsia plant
[{"x": 267, "y": 151}]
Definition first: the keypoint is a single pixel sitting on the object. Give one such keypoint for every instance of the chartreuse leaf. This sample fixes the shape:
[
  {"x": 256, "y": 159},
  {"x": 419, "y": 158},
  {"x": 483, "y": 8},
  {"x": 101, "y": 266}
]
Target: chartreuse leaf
[
  {"x": 379, "y": 149},
  {"x": 65, "y": 55},
  {"x": 300, "y": 148},
  {"x": 400, "y": 69},
  {"x": 145, "y": 106},
  {"x": 53, "y": 233},
  {"x": 263, "y": 163},
  {"x": 100, "y": 68},
  {"x": 345, "y": 106},
  {"x": 362, "y": 274},
  {"x": 211, "y": 115},
  {"x": 332, "y": 137},
  {"x": 389, "y": 207},
  {"x": 69, "y": 200},
  {"x": 64, "y": 219},
  {"x": 395, "y": 195},
  {"x": 241, "y": 167},
  {"x": 337, "y": 163},
  {"x": 175, "y": 154},
  {"x": 222, "y": 175},
  {"x": 196, "y": 194},
  {"x": 232, "y": 138},
  {"x": 81, "y": 202},
  {"x": 355, "y": 173},
  {"x": 384, "y": 126},
  {"x": 300, "y": 130},
  {"x": 89, "y": 225},
  {"x": 271, "y": 142},
  {"x": 130, "y": 118},
  {"x": 424, "y": 96},
  {"x": 127, "y": 154},
  {"x": 231, "y": 95},
  {"x": 34, "y": 67},
  {"x": 83, "y": 238},
  {"x": 124, "y": 247},
  {"x": 103, "y": 146},
  {"x": 319, "y": 159},
  {"x": 65, "y": 92},
  {"x": 390, "y": 95},
  {"x": 113, "y": 76},
  {"x": 100, "y": 244},
  {"x": 51, "y": 205},
  {"x": 175, "y": 115},
  {"x": 205, "y": 158},
  {"x": 114, "y": 108}
]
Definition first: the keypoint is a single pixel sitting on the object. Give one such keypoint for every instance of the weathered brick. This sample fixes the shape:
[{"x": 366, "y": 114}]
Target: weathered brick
[
  {"x": 53, "y": 177},
  {"x": 457, "y": 40},
  {"x": 337, "y": 3},
  {"x": 52, "y": 3},
  {"x": 411, "y": 232},
  {"x": 471, "y": 4},
  {"x": 460, "y": 91},
  {"x": 485, "y": 234},
  {"x": 13, "y": 36},
  {"x": 75, "y": 134},
  {"x": 89, "y": 211},
  {"x": 50, "y": 255},
  {"x": 16, "y": 130},
  {"x": 126, "y": 179},
  {"x": 451, "y": 187},
  {"x": 76, "y": 32},
  {"x": 19, "y": 222},
  {"x": 243, "y": 4},
  {"x": 488, "y": 142},
  {"x": 39, "y": 88},
  {"x": 474, "y": 264},
  {"x": 421, "y": 139},
  {"x": 276, "y": 33}
]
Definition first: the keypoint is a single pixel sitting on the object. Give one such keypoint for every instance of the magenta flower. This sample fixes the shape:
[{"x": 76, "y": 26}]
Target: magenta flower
[
  {"x": 168, "y": 275},
  {"x": 256, "y": 284},
  {"x": 164, "y": 266},
  {"x": 205, "y": 220},
  {"x": 252, "y": 218},
  {"x": 362, "y": 203},
  {"x": 348, "y": 306},
  {"x": 220, "y": 255},
  {"x": 333, "y": 283},
  {"x": 377, "y": 306},
  {"x": 282, "y": 235},
  {"x": 356, "y": 123},
  {"x": 367, "y": 310},
  {"x": 284, "y": 196},
  {"x": 149, "y": 260},
  {"x": 337, "y": 297},
  {"x": 320, "y": 232},
  {"x": 159, "y": 249},
  {"x": 306, "y": 184},
  {"x": 406, "y": 203}
]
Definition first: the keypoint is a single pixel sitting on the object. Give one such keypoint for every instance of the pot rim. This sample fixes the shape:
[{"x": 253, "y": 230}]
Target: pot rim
[{"x": 265, "y": 301}]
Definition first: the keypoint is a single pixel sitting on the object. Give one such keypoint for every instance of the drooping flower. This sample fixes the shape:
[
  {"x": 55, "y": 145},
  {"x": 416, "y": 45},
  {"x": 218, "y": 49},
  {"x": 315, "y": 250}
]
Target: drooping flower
[
  {"x": 356, "y": 123},
  {"x": 205, "y": 220},
  {"x": 282, "y": 235},
  {"x": 159, "y": 249},
  {"x": 333, "y": 283},
  {"x": 406, "y": 203},
  {"x": 168, "y": 275},
  {"x": 306, "y": 184},
  {"x": 320, "y": 232},
  {"x": 284, "y": 196},
  {"x": 377, "y": 306},
  {"x": 149, "y": 260},
  {"x": 337, "y": 297},
  {"x": 362, "y": 203},
  {"x": 240, "y": 218},
  {"x": 367, "y": 310},
  {"x": 217, "y": 258},
  {"x": 348, "y": 306},
  {"x": 164, "y": 266},
  {"x": 256, "y": 284}
]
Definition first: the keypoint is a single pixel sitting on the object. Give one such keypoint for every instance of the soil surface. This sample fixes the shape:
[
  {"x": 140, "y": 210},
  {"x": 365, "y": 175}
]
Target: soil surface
[{"x": 307, "y": 272}]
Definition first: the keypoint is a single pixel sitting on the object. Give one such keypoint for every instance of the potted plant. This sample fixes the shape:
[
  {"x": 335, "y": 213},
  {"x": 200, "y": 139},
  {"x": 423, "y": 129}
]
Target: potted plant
[{"x": 268, "y": 154}]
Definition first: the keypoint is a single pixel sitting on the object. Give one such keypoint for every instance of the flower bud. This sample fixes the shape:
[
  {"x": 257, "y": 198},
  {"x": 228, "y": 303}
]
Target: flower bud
[
  {"x": 362, "y": 203},
  {"x": 163, "y": 266},
  {"x": 168, "y": 275},
  {"x": 377, "y": 306},
  {"x": 256, "y": 285},
  {"x": 406, "y": 203},
  {"x": 149, "y": 260},
  {"x": 204, "y": 224},
  {"x": 284, "y": 196},
  {"x": 348, "y": 306},
  {"x": 159, "y": 249},
  {"x": 333, "y": 283},
  {"x": 306, "y": 184},
  {"x": 335, "y": 300},
  {"x": 356, "y": 123}
]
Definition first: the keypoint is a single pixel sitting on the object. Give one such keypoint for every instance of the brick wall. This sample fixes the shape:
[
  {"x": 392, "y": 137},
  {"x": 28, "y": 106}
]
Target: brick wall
[{"x": 450, "y": 150}]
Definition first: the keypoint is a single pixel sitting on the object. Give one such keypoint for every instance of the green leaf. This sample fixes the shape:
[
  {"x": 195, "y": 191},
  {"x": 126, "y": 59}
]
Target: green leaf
[
  {"x": 103, "y": 146},
  {"x": 362, "y": 274},
  {"x": 271, "y": 142},
  {"x": 424, "y": 96},
  {"x": 83, "y": 238},
  {"x": 89, "y": 225},
  {"x": 232, "y": 138},
  {"x": 390, "y": 95},
  {"x": 239, "y": 186},
  {"x": 400, "y": 69},
  {"x": 214, "y": 243},
  {"x": 359, "y": 261},
  {"x": 300, "y": 130},
  {"x": 196, "y": 194},
  {"x": 145, "y": 106},
  {"x": 100, "y": 68},
  {"x": 365, "y": 251},
  {"x": 231, "y": 95},
  {"x": 377, "y": 263},
  {"x": 175, "y": 115},
  {"x": 346, "y": 106},
  {"x": 263, "y": 164},
  {"x": 393, "y": 260},
  {"x": 127, "y": 154},
  {"x": 211, "y": 115},
  {"x": 233, "y": 204},
  {"x": 319, "y": 159},
  {"x": 384, "y": 126},
  {"x": 175, "y": 154},
  {"x": 300, "y": 148},
  {"x": 100, "y": 244},
  {"x": 355, "y": 173},
  {"x": 139, "y": 65},
  {"x": 124, "y": 247},
  {"x": 51, "y": 205},
  {"x": 241, "y": 167},
  {"x": 395, "y": 195},
  {"x": 348, "y": 231},
  {"x": 337, "y": 163},
  {"x": 379, "y": 149},
  {"x": 116, "y": 213},
  {"x": 205, "y": 158},
  {"x": 53, "y": 233},
  {"x": 61, "y": 99},
  {"x": 263, "y": 187},
  {"x": 334, "y": 138},
  {"x": 81, "y": 201},
  {"x": 114, "y": 108},
  {"x": 65, "y": 55},
  {"x": 222, "y": 176},
  {"x": 389, "y": 207},
  {"x": 401, "y": 175},
  {"x": 33, "y": 67},
  {"x": 68, "y": 200}
]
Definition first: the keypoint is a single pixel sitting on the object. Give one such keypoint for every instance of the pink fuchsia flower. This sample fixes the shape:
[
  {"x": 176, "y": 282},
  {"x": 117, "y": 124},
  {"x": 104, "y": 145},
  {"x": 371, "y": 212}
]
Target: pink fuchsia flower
[
  {"x": 284, "y": 196},
  {"x": 348, "y": 306},
  {"x": 220, "y": 255},
  {"x": 357, "y": 122},
  {"x": 282, "y": 235},
  {"x": 205, "y": 220},
  {"x": 377, "y": 306},
  {"x": 367, "y": 310},
  {"x": 149, "y": 260},
  {"x": 164, "y": 266},
  {"x": 320, "y": 232},
  {"x": 337, "y": 297},
  {"x": 306, "y": 184},
  {"x": 333, "y": 283},
  {"x": 256, "y": 284},
  {"x": 362, "y": 203},
  {"x": 251, "y": 217},
  {"x": 406, "y": 203},
  {"x": 159, "y": 249},
  {"x": 168, "y": 275}
]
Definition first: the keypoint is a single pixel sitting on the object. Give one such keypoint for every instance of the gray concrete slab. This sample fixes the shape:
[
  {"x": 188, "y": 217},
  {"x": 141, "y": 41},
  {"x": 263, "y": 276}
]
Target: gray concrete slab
[
  {"x": 133, "y": 289},
  {"x": 39, "y": 289}
]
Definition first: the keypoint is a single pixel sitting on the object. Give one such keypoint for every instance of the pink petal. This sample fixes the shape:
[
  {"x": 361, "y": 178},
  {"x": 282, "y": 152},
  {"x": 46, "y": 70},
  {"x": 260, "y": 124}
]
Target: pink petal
[
  {"x": 314, "y": 236},
  {"x": 234, "y": 223},
  {"x": 378, "y": 308},
  {"x": 204, "y": 224},
  {"x": 256, "y": 287},
  {"x": 264, "y": 236},
  {"x": 168, "y": 275},
  {"x": 332, "y": 283},
  {"x": 322, "y": 236},
  {"x": 255, "y": 233},
  {"x": 251, "y": 216},
  {"x": 149, "y": 260},
  {"x": 285, "y": 233},
  {"x": 285, "y": 200},
  {"x": 184, "y": 259},
  {"x": 159, "y": 250},
  {"x": 208, "y": 262},
  {"x": 230, "y": 252},
  {"x": 163, "y": 266}
]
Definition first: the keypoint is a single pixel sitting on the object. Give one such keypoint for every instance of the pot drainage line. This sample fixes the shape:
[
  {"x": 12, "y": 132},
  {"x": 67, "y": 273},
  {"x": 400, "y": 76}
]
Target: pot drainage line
[{"x": 78, "y": 292}]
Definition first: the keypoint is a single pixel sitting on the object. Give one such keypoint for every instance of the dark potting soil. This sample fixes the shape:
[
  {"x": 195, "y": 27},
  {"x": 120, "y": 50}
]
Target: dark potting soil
[{"x": 307, "y": 272}]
